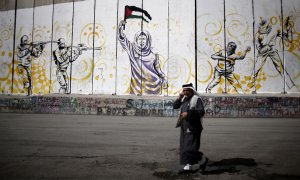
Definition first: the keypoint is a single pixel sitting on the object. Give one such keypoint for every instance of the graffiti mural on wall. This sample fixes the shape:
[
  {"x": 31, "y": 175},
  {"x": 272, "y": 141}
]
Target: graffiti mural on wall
[
  {"x": 146, "y": 74},
  {"x": 292, "y": 49},
  {"x": 265, "y": 42},
  {"x": 158, "y": 59},
  {"x": 225, "y": 67},
  {"x": 261, "y": 69},
  {"x": 6, "y": 51},
  {"x": 25, "y": 52},
  {"x": 63, "y": 56}
]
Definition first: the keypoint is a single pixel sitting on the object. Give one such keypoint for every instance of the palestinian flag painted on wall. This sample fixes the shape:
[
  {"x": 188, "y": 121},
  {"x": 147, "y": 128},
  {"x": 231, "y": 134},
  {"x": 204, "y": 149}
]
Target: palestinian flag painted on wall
[{"x": 136, "y": 12}]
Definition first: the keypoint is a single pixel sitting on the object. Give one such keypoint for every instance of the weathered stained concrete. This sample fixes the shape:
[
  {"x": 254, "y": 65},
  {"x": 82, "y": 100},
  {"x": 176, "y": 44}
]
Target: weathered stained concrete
[
  {"x": 6, "y": 5},
  {"x": 251, "y": 106}
]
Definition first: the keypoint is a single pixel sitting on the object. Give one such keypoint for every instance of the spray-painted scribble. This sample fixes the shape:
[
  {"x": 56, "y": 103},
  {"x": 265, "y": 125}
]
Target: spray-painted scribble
[
  {"x": 25, "y": 52},
  {"x": 146, "y": 74},
  {"x": 63, "y": 56},
  {"x": 265, "y": 43},
  {"x": 225, "y": 67}
]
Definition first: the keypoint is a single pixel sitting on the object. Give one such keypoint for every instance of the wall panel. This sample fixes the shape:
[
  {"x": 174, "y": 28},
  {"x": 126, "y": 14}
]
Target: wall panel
[
  {"x": 105, "y": 37},
  {"x": 239, "y": 30},
  {"x": 155, "y": 71},
  {"x": 7, "y": 20},
  {"x": 124, "y": 65},
  {"x": 210, "y": 40},
  {"x": 268, "y": 77},
  {"x": 291, "y": 27},
  {"x": 62, "y": 30},
  {"x": 181, "y": 62},
  {"x": 42, "y": 34},
  {"x": 82, "y": 67},
  {"x": 22, "y": 63}
]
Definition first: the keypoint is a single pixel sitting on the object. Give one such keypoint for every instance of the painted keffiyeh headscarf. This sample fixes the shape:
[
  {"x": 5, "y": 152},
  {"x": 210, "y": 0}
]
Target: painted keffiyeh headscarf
[{"x": 147, "y": 49}]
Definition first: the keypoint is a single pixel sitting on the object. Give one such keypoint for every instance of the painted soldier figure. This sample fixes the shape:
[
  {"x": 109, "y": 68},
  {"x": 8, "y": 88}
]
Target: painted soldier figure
[
  {"x": 25, "y": 52},
  {"x": 63, "y": 56}
]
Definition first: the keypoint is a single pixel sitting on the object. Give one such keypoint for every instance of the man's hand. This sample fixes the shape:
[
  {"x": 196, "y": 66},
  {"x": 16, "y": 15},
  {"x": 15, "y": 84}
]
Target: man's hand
[
  {"x": 180, "y": 96},
  {"x": 183, "y": 115}
]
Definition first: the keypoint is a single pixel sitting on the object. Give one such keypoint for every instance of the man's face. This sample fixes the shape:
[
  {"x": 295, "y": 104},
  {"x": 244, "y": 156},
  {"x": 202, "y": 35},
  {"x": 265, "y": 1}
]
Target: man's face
[
  {"x": 142, "y": 39},
  {"x": 188, "y": 92}
]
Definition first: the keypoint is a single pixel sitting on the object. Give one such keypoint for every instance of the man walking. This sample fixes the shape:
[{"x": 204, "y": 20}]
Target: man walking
[{"x": 190, "y": 123}]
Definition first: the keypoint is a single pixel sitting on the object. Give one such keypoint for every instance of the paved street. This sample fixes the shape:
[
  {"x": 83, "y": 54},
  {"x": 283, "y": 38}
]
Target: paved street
[{"x": 52, "y": 146}]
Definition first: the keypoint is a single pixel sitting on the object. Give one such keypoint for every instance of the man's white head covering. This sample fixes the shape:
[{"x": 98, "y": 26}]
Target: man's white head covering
[
  {"x": 190, "y": 86},
  {"x": 195, "y": 96}
]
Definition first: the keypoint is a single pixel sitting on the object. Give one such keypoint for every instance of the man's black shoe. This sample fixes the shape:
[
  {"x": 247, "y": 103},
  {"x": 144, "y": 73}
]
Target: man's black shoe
[{"x": 203, "y": 166}]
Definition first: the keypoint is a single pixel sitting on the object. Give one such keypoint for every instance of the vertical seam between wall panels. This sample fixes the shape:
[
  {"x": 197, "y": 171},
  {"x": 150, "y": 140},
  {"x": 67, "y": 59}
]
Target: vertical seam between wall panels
[
  {"x": 283, "y": 58},
  {"x": 32, "y": 38},
  {"x": 196, "y": 47},
  {"x": 142, "y": 29},
  {"x": 14, "y": 48},
  {"x": 33, "y": 24},
  {"x": 117, "y": 33},
  {"x": 32, "y": 33},
  {"x": 93, "y": 62},
  {"x": 70, "y": 80},
  {"x": 51, "y": 47},
  {"x": 254, "y": 49},
  {"x": 168, "y": 62},
  {"x": 225, "y": 46}
]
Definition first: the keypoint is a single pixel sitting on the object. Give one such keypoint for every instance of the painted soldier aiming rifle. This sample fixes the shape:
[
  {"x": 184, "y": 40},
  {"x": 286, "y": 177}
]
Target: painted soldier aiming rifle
[
  {"x": 63, "y": 56},
  {"x": 25, "y": 52}
]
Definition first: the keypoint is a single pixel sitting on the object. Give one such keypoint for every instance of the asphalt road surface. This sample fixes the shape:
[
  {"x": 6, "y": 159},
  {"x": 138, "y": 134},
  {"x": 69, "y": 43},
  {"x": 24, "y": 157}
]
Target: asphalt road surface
[{"x": 51, "y": 146}]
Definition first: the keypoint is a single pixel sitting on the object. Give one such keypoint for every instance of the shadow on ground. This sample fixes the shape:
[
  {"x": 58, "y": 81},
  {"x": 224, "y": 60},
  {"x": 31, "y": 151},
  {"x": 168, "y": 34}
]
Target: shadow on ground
[{"x": 234, "y": 166}]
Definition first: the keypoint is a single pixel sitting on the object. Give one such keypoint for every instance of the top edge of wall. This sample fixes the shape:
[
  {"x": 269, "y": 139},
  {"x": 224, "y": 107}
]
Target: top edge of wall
[{"x": 6, "y": 5}]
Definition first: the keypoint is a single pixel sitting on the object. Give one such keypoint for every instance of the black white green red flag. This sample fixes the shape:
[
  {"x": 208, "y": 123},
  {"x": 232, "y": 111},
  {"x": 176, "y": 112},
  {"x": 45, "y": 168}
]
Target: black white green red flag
[{"x": 136, "y": 12}]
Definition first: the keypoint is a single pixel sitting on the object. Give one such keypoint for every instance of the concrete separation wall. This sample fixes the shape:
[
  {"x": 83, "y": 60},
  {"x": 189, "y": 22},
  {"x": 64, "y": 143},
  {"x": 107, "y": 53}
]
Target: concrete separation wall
[{"x": 216, "y": 106}]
